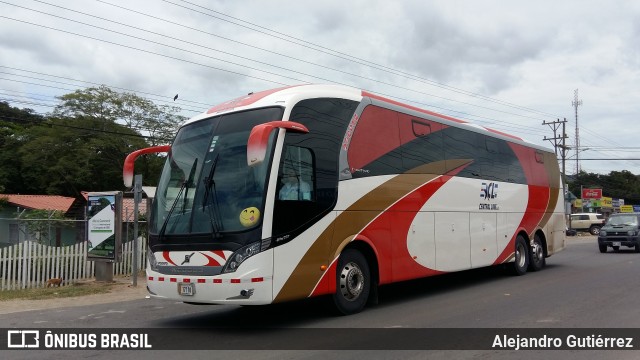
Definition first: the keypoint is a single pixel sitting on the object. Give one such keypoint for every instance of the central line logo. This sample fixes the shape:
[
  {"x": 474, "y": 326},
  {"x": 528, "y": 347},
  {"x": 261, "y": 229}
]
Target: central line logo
[{"x": 489, "y": 191}]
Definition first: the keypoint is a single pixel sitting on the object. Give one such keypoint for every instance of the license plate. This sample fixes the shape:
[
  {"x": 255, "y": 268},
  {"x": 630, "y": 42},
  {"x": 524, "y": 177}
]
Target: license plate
[
  {"x": 616, "y": 243},
  {"x": 186, "y": 289}
]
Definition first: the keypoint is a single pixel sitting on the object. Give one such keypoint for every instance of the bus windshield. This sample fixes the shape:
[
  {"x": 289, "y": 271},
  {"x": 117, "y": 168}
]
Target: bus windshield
[{"x": 206, "y": 186}]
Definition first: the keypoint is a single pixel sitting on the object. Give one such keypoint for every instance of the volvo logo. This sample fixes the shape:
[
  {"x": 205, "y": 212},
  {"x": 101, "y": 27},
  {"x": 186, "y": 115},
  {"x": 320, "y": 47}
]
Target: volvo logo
[{"x": 187, "y": 258}]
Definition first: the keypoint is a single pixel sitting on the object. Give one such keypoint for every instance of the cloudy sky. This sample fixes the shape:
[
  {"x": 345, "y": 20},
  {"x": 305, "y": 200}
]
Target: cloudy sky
[{"x": 509, "y": 65}]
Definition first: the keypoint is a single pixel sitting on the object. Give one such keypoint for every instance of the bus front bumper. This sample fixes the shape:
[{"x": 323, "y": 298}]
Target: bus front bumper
[{"x": 256, "y": 290}]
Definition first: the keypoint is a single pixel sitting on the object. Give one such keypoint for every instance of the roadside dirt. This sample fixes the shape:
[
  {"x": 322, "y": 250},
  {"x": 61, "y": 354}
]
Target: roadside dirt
[{"x": 122, "y": 289}]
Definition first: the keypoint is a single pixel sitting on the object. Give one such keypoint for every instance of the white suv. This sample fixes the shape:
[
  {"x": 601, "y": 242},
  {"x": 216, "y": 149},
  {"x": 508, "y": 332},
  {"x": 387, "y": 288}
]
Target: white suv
[{"x": 591, "y": 222}]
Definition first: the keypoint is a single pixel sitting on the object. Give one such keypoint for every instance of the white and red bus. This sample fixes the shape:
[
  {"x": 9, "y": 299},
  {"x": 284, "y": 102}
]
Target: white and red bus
[{"x": 319, "y": 189}]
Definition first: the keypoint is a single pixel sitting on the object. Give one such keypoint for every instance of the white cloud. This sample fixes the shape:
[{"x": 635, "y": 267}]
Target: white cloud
[{"x": 532, "y": 54}]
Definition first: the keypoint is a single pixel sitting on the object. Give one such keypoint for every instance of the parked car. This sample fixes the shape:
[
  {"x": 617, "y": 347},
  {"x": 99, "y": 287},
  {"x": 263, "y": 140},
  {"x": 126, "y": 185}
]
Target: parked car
[
  {"x": 590, "y": 222},
  {"x": 620, "y": 230}
]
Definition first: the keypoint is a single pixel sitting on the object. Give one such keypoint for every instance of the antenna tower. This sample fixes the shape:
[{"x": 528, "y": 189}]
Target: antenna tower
[{"x": 575, "y": 104}]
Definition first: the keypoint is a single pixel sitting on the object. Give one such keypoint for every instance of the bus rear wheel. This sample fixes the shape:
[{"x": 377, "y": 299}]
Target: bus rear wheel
[
  {"x": 353, "y": 282},
  {"x": 536, "y": 257},
  {"x": 521, "y": 262}
]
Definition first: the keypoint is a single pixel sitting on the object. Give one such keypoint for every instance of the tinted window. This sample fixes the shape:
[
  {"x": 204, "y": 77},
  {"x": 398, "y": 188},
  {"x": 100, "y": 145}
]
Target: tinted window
[
  {"x": 315, "y": 156},
  {"x": 460, "y": 144},
  {"x": 297, "y": 177},
  {"x": 422, "y": 144},
  {"x": 374, "y": 148},
  {"x": 389, "y": 142}
]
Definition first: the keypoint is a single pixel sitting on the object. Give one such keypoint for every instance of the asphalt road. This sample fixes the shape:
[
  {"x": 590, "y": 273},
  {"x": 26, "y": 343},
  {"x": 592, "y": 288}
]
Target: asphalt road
[{"x": 579, "y": 288}]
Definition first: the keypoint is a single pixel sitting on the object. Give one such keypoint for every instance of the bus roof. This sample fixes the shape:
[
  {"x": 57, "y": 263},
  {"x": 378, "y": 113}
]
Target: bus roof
[{"x": 292, "y": 94}]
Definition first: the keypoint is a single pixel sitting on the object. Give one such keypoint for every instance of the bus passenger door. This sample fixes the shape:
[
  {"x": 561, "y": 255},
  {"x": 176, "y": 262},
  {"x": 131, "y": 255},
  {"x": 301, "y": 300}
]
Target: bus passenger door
[{"x": 484, "y": 248}]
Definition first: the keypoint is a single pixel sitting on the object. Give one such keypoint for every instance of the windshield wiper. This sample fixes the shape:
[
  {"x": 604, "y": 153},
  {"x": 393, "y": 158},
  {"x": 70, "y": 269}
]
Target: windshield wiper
[
  {"x": 188, "y": 184},
  {"x": 208, "y": 181},
  {"x": 183, "y": 188},
  {"x": 214, "y": 212}
]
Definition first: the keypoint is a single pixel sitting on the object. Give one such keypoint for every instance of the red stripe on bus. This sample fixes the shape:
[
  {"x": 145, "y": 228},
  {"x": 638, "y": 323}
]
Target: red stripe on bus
[
  {"x": 212, "y": 261},
  {"x": 220, "y": 253},
  {"x": 378, "y": 97},
  {"x": 539, "y": 193},
  {"x": 165, "y": 255}
]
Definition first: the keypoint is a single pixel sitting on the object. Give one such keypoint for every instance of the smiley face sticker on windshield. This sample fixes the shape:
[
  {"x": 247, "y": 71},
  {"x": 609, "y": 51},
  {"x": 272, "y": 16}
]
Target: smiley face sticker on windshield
[{"x": 249, "y": 216}]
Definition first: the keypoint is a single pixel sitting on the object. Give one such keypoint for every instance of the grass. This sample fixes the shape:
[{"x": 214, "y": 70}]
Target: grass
[{"x": 77, "y": 289}]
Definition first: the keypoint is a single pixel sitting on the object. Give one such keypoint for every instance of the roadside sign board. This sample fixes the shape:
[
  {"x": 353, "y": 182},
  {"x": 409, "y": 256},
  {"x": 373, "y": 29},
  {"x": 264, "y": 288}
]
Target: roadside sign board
[
  {"x": 626, "y": 208},
  {"x": 104, "y": 230},
  {"x": 591, "y": 193}
]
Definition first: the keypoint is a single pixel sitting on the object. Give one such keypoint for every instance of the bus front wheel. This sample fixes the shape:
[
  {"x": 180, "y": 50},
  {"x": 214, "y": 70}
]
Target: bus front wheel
[{"x": 353, "y": 282}]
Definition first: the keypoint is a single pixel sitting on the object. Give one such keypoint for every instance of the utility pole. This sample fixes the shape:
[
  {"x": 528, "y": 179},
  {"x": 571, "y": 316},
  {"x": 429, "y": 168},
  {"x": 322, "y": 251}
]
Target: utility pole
[
  {"x": 559, "y": 142},
  {"x": 575, "y": 104}
]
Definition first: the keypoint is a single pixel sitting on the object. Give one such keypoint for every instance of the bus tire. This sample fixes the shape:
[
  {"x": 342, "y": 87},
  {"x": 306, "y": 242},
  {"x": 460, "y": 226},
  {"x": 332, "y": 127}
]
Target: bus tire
[
  {"x": 353, "y": 282},
  {"x": 521, "y": 262},
  {"x": 537, "y": 260}
]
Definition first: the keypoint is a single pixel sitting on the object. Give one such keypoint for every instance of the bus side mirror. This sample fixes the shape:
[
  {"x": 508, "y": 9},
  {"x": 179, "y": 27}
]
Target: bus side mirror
[
  {"x": 127, "y": 169},
  {"x": 259, "y": 137}
]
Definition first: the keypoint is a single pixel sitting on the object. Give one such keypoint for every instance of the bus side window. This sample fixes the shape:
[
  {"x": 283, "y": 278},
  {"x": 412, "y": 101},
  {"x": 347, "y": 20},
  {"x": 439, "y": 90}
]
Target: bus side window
[
  {"x": 421, "y": 144},
  {"x": 296, "y": 179}
]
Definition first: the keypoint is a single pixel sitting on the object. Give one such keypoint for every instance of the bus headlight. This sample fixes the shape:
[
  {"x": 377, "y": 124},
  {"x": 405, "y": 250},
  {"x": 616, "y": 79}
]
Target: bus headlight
[
  {"x": 153, "y": 263},
  {"x": 240, "y": 256}
]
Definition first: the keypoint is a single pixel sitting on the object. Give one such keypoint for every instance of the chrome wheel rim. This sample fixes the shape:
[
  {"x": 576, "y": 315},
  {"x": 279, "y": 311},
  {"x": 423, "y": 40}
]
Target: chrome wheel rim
[
  {"x": 520, "y": 259},
  {"x": 537, "y": 252},
  {"x": 351, "y": 281}
]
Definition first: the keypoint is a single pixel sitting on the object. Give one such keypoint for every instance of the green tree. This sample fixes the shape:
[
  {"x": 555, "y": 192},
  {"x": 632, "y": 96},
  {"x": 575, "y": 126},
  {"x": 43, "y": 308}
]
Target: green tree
[
  {"x": 135, "y": 112},
  {"x": 69, "y": 155},
  {"x": 14, "y": 124},
  {"x": 625, "y": 185},
  {"x": 83, "y": 143},
  {"x": 100, "y": 103},
  {"x": 616, "y": 184}
]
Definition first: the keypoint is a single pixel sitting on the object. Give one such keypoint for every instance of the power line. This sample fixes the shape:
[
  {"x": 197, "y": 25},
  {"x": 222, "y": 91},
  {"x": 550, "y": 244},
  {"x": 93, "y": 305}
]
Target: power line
[
  {"x": 110, "y": 86},
  {"x": 141, "y": 50},
  {"x": 348, "y": 57},
  {"x": 241, "y": 57},
  {"x": 193, "y": 62},
  {"x": 71, "y": 90},
  {"x": 502, "y": 124},
  {"x": 47, "y": 124}
]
